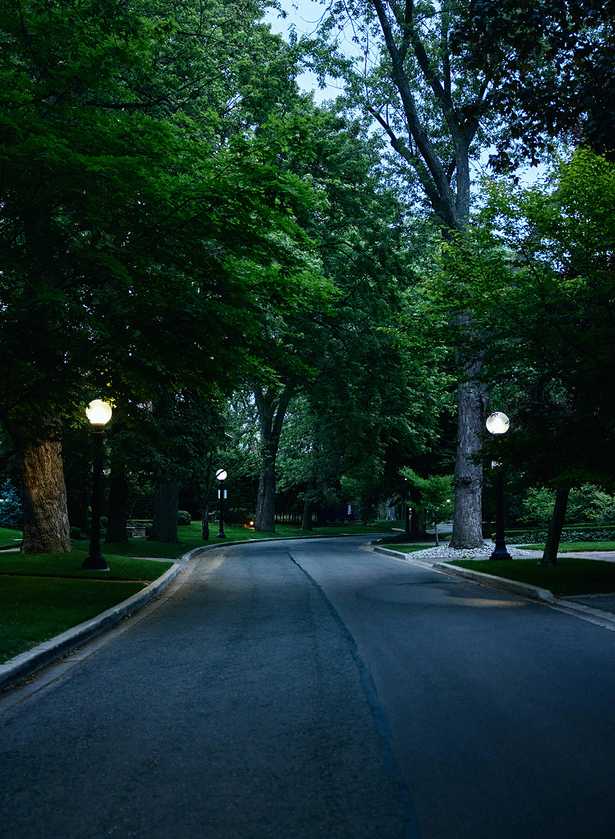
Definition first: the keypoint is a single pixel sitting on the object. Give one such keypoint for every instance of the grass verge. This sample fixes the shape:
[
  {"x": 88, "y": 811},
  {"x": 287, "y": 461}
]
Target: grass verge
[
  {"x": 575, "y": 547},
  {"x": 9, "y": 537},
  {"x": 42, "y": 595},
  {"x": 69, "y": 565},
  {"x": 34, "y": 609},
  {"x": 569, "y": 576}
]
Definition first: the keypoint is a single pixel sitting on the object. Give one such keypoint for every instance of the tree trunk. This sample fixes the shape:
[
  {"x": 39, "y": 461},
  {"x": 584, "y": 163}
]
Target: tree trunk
[
  {"x": 271, "y": 412},
  {"x": 306, "y": 523},
  {"x": 46, "y": 526},
  {"x": 436, "y": 534},
  {"x": 117, "y": 527},
  {"x": 166, "y": 504},
  {"x": 467, "y": 521},
  {"x": 265, "y": 502},
  {"x": 556, "y": 525}
]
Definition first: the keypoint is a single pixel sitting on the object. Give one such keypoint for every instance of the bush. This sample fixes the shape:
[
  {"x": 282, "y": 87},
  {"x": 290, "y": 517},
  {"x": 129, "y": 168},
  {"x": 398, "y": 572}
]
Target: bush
[
  {"x": 11, "y": 514},
  {"x": 183, "y": 517},
  {"x": 569, "y": 534},
  {"x": 75, "y": 533},
  {"x": 586, "y": 503}
]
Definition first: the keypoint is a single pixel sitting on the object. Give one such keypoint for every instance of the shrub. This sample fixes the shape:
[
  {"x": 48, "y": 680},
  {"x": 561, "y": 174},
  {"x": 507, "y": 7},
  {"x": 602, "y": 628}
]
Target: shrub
[
  {"x": 183, "y": 517},
  {"x": 586, "y": 503},
  {"x": 75, "y": 533},
  {"x": 569, "y": 534},
  {"x": 11, "y": 514}
]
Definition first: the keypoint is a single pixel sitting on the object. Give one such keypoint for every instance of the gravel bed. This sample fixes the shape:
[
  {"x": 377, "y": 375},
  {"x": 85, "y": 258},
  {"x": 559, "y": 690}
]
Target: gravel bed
[{"x": 444, "y": 553}]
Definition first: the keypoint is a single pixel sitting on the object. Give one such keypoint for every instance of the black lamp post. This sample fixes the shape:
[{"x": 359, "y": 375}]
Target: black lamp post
[
  {"x": 222, "y": 496},
  {"x": 98, "y": 413},
  {"x": 497, "y": 424}
]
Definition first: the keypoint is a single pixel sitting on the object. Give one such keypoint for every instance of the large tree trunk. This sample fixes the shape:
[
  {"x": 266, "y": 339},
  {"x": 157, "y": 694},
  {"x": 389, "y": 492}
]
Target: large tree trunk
[
  {"x": 271, "y": 412},
  {"x": 117, "y": 527},
  {"x": 467, "y": 520},
  {"x": 556, "y": 525},
  {"x": 265, "y": 501},
  {"x": 166, "y": 504},
  {"x": 46, "y": 525}
]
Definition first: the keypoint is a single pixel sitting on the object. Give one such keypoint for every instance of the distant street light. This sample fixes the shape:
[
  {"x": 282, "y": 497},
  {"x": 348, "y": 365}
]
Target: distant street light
[
  {"x": 498, "y": 424},
  {"x": 221, "y": 476},
  {"x": 98, "y": 413}
]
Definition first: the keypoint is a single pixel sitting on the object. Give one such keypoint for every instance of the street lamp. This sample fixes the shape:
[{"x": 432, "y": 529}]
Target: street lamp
[
  {"x": 98, "y": 413},
  {"x": 498, "y": 424},
  {"x": 221, "y": 475}
]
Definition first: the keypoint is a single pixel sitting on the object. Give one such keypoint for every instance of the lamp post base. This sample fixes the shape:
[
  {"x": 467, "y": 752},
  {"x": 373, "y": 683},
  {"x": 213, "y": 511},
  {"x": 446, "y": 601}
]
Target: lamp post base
[
  {"x": 95, "y": 563},
  {"x": 500, "y": 552}
]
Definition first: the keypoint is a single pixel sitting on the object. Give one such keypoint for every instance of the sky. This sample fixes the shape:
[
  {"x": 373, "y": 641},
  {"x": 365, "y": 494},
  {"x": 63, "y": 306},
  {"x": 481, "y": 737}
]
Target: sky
[{"x": 304, "y": 15}]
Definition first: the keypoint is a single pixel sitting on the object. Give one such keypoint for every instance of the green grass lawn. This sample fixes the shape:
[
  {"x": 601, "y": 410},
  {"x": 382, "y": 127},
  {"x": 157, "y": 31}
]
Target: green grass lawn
[
  {"x": 575, "y": 547},
  {"x": 69, "y": 565},
  {"x": 41, "y": 595},
  {"x": 190, "y": 537},
  {"x": 34, "y": 609},
  {"x": 569, "y": 576},
  {"x": 8, "y": 536}
]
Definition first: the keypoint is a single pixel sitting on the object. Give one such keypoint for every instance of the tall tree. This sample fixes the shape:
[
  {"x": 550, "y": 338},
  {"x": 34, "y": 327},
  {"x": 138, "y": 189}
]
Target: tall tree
[
  {"x": 131, "y": 213},
  {"x": 537, "y": 272},
  {"x": 429, "y": 104},
  {"x": 552, "y": 70}
]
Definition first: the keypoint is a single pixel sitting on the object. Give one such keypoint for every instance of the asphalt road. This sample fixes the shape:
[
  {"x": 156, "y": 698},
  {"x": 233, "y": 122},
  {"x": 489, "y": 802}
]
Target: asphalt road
[{"x": 315, "y": 689}]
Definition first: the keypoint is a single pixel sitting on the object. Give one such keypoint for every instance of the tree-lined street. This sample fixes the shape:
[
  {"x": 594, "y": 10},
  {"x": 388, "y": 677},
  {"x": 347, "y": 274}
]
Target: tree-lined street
[
  {"x": 314, "y": 688},
  {"x": 288, "y": 268}
]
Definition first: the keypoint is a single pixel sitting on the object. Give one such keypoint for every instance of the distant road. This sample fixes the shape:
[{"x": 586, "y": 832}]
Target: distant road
[{"x": 316, "y": 689}]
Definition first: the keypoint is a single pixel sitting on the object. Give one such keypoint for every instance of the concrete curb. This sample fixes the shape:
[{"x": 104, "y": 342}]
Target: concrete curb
[
  {"x": 48, "y": 651},
  {"x": 525, "y": 589},
  {"x": 409, "y": 557},
  {"x": 541, "y": 595}
]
